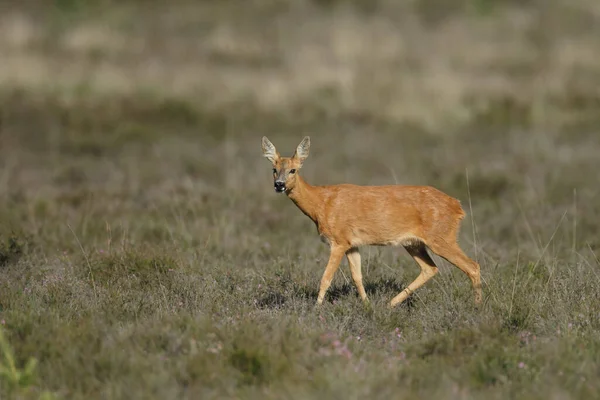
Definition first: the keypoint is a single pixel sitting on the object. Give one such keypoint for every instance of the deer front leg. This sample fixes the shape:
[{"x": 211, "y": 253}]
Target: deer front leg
[
  {"x": 354, "y": 260},
  {"x": 335, "y": 257}
]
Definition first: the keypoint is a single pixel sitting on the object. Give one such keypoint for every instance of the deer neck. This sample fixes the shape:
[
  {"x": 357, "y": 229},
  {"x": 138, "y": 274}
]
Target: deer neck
[{"x": 307, "y": 198}]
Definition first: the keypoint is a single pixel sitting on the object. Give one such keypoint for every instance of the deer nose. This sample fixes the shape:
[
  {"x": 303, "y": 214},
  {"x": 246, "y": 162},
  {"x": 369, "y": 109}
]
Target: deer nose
[{"x": 279, "y": 186}]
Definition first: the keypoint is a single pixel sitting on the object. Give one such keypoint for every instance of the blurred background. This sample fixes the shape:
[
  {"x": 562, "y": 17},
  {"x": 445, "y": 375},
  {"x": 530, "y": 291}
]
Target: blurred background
[{"x": 431, "y": 63}]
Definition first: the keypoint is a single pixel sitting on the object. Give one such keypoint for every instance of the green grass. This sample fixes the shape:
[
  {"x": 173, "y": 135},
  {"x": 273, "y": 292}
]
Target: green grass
[{"x": 144, "y": 253}]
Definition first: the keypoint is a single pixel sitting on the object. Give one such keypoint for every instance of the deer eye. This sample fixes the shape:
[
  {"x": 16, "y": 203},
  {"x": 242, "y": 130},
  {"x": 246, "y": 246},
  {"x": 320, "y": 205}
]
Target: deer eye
[
  {"x": 274, "y": 171},
  {"x": 292, "y": 171}
]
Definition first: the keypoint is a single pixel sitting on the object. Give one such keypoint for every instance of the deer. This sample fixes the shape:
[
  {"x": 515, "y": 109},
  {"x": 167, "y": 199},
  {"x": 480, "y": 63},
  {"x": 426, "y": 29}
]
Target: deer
[{"x": 349, "y": 216}]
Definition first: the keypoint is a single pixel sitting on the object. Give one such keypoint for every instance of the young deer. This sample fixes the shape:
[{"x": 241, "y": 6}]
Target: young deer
[{"x": 348, "y": 216}]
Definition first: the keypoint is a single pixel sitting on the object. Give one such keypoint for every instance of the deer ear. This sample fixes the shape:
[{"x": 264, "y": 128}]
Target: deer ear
[
  {"x": 269, "y": 151},
  {"x": 302, "y": 149}
]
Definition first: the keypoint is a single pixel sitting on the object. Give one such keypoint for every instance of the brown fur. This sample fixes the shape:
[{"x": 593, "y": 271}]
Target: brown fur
[{"x": 348, "y": 216}]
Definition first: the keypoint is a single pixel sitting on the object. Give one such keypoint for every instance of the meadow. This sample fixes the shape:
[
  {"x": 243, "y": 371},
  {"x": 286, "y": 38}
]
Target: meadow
[{"x": 145, "y": 255}]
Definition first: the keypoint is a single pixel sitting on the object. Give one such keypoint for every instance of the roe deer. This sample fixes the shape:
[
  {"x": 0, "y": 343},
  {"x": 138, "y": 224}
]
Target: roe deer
[{"x": 348, "y": 216}]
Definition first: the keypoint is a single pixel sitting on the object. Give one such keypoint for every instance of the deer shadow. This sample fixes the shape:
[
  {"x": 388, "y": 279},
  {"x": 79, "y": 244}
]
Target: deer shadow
[{"x": 382, "y": 287}]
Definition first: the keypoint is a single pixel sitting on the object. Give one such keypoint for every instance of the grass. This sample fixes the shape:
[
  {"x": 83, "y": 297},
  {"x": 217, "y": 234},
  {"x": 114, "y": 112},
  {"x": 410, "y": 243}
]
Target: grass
[{"x": 144, "y": 254}]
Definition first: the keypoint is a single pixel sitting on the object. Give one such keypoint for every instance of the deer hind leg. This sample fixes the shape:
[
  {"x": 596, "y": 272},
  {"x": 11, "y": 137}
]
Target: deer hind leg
[
  {"x": 428, "y": 271},
  {"x": 354, "y": 262},
  {"x": 452, "y": 253},
  {"x": 335, "y": 257}
]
